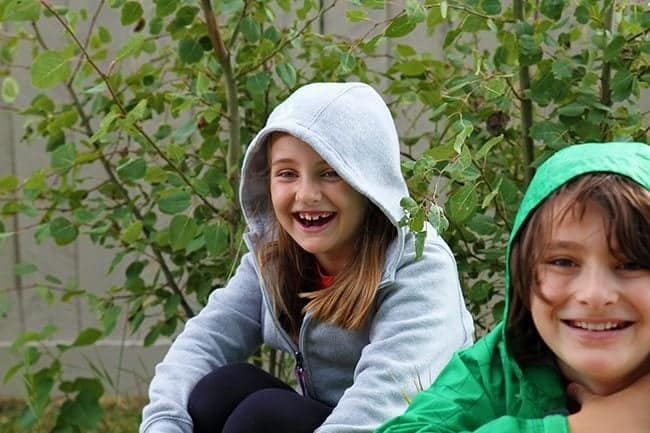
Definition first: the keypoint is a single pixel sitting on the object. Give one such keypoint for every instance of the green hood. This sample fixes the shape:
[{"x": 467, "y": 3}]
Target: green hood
[{"x": 628, "y": 159}]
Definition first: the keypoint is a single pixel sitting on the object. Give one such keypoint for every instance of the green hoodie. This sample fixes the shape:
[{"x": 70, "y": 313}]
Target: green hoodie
[{"x": 483, "y": 389}]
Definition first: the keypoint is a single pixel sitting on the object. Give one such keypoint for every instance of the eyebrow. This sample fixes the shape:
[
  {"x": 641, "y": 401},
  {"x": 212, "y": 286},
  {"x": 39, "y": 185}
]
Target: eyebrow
[
  {"x": 289, "y": 160},
  {"x": 281, "y": 161},
  {"x": 560, "y": 244}
]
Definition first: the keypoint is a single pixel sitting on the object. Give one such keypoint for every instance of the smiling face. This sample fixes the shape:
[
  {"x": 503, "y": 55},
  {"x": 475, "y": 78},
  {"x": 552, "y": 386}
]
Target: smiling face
[
  {"x": 596, "y": 316},
  {"x": 317, "y": 208}
]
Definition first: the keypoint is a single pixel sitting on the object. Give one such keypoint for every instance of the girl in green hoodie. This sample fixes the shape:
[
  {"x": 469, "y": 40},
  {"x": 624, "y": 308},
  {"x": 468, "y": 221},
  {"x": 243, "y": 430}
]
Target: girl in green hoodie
[{"x": 573, "y": 354}]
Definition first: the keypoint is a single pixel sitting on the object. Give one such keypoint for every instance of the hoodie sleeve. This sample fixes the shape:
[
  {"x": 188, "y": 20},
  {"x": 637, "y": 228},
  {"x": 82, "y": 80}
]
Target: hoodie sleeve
[
  {"x": 227, "y": 329},
  {"x": 419, "y": 323},
  {"x": 469, "y": 397}
]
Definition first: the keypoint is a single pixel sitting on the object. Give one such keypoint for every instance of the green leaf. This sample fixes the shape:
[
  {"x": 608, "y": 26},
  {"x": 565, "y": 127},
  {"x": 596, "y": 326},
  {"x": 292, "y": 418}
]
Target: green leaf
[
  {"x": 553, "y": 8},
  {"x": 132, "y": 232},
  {"x": 573, "y": 109},
  {"x": 400, "y": 26},
  {"x": 63, "y": 158},
  {"x": 190, "y": 51},
  {"x": 109, "y": 318},
  {"x": 497, "y": 311},
  {"x": 491, "y": 7},
  {"x": 411, "y": 68},
  {"x": 21, "y": 10},
  {"x": 156, "y": 175},
  {"x": 419, "y": 243},
  {"x": 614, "y": 48},
  {"x": 443, "y": 8},
  {"x": 346, "y": 64},
  {"x": 462, "y": 203},
  {"x": 104, "y": 35},
  {"x": 174, "y": 201},
  {"x": 562, "y": 70},
  {"x": 63, "y": 231},
  {"x": 131, "y": 12},
  {"x": 415, "y": 10},
  {"x": 409, "y": 204},
  {"x": 356, "y": 15},
  {"x": 45, "y": 294},
  {"x": 182, "y": 230},
  {"x": 416, "y": 224},
  {"x": 491, "y": 196},
  {"x": 436, "y": 217},
  {"x": 138, "y": 112},
  {"x": 287, "y": 73},
  {"x": 87, "y": 337},
  {"x": 582, "y": 14},
  {"x": 132, "y": 169},
  {"x": 8, "y": 183},
  {"x": 166, "y": 7},
  {"x": 171, "y": 305},
  {"x": 216, "y": 238},
  {"x": 131, "y": 48},
  {"x": 104, "y": 126},
  {"x": 258, "y": 83},
  {"x": 405, "y": 50},
  {"x": 530, "y": 51},
  {"x": 29, "y": 336},
  {"x": 479, "y": 293},
  {"x": 83, "y": 413},
  {"x": 487, "y": 147},
  {"x": 623, "y": 84},
  {"x": 49, "y": 69},
  {"x": 553, "y": 134},
  {"x": 462, "y": 135},
  {"x": 251, "y": 29},
  {"x": 10, "y": 89},
  {"x": 25, "y": 268}
]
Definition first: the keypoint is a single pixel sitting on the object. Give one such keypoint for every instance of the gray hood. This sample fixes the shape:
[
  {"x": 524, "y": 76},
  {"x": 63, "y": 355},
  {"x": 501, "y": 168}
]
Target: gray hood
[{"x": 350, "y": 127}]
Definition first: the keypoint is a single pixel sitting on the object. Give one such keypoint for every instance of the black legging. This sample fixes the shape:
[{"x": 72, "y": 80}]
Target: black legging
[{"x": 241, "y": 398}]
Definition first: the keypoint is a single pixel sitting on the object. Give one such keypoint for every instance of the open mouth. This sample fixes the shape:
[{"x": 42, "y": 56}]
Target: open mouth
[
  {"x": 314, "y": 219},
  {"x": 612, "y": 325}
]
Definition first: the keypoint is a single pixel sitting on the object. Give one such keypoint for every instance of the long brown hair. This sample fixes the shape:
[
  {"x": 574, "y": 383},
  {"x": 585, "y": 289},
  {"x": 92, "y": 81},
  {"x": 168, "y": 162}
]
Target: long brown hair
[
  {"x": 291, "y": 275},
  {"x": 626, "y": 208}
]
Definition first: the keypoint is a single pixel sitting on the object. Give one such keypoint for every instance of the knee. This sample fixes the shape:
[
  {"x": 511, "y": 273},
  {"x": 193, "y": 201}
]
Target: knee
[{"x": 214, "y": 384}]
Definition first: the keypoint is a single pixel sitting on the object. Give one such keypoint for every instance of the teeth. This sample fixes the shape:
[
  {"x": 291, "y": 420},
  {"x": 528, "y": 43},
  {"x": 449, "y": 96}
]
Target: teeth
[
  {"x": 604, "y": 326},
  {"x": 312, "y": 216}
]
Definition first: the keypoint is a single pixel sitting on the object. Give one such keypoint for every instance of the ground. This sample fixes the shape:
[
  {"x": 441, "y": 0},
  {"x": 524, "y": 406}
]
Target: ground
[{"x": 121, "y": 415}]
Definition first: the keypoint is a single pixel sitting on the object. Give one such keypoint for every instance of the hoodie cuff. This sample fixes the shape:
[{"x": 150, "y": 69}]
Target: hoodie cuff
[
  {"x": 556, "y": 424},
  {"x": 167, "y": 426}
]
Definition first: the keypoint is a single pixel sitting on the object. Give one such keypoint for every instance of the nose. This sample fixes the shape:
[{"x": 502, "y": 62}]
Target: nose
[
  {"x": 596, "y": 287},
  {"x": 308, "y": 191}
]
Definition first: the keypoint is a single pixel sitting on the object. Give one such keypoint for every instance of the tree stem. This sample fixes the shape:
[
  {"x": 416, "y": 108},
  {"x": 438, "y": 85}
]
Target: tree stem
[
  {"x": 527, "y": 146},
  {"x": 233, "y": 154},
  {"x": 606, "y": 73}
]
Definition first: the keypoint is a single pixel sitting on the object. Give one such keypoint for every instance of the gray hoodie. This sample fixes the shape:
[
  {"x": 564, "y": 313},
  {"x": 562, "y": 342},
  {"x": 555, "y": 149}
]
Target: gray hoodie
[{"x": 419, "y": 318}]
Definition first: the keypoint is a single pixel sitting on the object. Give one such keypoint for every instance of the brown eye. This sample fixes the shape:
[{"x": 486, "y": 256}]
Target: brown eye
[
  {"x": 562, "y": 262},
  {"x": 631, "y": 266}
]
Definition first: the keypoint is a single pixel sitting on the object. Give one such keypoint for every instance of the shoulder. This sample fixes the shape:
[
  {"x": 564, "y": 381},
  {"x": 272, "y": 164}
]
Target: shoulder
[
  {"x": 436, "y": 261},
  {"x": 434, "y": 248}
]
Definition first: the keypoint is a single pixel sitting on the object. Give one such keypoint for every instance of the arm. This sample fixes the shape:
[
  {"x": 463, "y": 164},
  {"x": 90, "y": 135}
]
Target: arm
[
  {"x": 227, "y": 329},
  {"x": 624, "y": 411},
  {"x": 420, "y": 321},
  {"x": 468, "y": 397}
]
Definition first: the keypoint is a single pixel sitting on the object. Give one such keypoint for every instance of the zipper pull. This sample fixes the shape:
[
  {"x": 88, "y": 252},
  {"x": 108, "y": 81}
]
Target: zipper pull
[{"x": 300, "y": 373}]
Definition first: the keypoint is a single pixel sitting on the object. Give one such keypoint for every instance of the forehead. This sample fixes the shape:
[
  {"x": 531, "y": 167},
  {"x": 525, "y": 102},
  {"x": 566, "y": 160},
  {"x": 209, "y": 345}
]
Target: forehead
[{"x": 287, "y": 148}]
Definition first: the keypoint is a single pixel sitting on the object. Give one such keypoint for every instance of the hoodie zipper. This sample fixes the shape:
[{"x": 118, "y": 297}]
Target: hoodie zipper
[{"x": 300, "y": 372}]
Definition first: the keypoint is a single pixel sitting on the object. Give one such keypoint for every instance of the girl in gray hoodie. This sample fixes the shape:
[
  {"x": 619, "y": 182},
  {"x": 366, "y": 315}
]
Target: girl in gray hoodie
[{"x": 330, "y": 277}]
